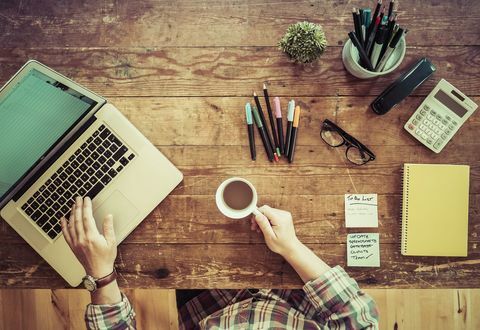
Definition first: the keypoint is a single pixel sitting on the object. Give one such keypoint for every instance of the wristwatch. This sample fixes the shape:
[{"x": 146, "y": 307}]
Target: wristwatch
[{"x": 92, "y": 284}]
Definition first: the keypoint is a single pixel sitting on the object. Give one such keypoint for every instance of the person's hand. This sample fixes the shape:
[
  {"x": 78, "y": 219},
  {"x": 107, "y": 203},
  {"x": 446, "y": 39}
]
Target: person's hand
[
  {"x": 277, "y": 228},
  {"x": 95, "y": 252}
]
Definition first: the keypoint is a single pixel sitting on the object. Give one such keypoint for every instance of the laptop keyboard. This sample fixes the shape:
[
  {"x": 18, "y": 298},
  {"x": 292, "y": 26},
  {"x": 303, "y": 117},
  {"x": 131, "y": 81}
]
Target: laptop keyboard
[{"x": 88, "y": 170}]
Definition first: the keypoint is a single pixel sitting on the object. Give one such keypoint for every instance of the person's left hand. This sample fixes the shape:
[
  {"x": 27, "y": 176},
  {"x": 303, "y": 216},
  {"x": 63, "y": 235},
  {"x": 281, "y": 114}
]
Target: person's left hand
[{"x": 95, "y": 252}]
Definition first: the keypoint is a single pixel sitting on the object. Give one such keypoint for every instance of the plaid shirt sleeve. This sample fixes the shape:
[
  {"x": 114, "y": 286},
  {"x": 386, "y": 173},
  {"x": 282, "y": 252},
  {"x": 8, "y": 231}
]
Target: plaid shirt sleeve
[
  {"x": 339, "y": 302},
  {"x": 113, "y": 317}
]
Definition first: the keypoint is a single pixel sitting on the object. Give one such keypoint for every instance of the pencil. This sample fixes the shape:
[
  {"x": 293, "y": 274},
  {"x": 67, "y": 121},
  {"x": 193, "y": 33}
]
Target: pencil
[
  {"x": 294, "y": 134},
  {"x": 251, "y": 136},
  {"x": 263, "y": 134},
  {"x": 262, "y": 118},
  {"x": 272, "y": 122}
]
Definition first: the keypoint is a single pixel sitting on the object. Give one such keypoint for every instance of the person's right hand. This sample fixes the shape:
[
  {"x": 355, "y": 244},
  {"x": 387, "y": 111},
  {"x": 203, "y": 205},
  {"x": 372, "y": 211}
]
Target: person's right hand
[
  {"x": 277, "y": 228},
  {"x": 96, "y": 252}
]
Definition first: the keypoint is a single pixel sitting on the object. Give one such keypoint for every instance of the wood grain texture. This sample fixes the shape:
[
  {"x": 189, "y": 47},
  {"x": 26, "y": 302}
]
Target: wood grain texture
[
  {"x": 196, "y": 23},
  {"x": 40, "y": 309},
  {"x": 160, "y": 265},
  {"x": 404, "y": 309},
  {"x": 220, "y": 121},
  {"x": 439, "y": 309},
  {"x": 427, "y": 309},
  {"x": 181, "y": 71},
  {"x": 318, "y": 219},
  {"x": 234, "y": 71}
]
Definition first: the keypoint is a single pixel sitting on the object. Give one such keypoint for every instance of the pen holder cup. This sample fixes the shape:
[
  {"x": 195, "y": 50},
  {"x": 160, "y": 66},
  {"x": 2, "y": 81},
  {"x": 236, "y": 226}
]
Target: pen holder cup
[{"x": 351, "y": 58}]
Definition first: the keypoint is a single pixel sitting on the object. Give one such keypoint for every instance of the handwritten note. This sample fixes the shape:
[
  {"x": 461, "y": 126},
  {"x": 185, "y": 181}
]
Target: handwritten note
[
  {"x": 363, "y": 250},
  {"x": 361, "y": 210}
]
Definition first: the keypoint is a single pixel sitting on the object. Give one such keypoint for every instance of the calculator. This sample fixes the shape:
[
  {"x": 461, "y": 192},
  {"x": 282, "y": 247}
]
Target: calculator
[{"x": 440, "y": 116}]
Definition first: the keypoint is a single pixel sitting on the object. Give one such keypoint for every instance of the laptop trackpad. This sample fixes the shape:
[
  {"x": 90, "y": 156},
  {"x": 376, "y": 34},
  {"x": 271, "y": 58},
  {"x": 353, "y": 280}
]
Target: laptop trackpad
[{"x": 120, "y": 207}]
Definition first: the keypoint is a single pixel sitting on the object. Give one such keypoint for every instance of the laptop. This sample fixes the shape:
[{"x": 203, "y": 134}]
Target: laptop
[{"x": 58, "y": 140}]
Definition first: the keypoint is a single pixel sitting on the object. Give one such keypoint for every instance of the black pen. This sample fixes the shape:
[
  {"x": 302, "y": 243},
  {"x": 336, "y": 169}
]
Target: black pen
[
  {"x": 374, "y": 18},
  {"x": 371, "y": 37},
  {"x": 288, "y": 137},
  {"x": 361, "y": 52},
  {"x": 278, "y": 114},
  {"x": 276, "y": 150},
  {"x": 294, "y": 134},
  {"x": 377, "y": 48},
  {"x": 357, "y": 24},
  {"x": 251, "y": 136},
  {"x": 262, "y": 118},
  {"x": 263, "y": 134},
  {"x": 390, "y": 8},
  {"x": 388, "y": 37},
  {"x": 390, "y": 49}
]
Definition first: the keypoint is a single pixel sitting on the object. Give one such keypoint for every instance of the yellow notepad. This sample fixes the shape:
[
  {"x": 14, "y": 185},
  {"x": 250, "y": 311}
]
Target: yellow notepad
[{"x": 435, "y": 210}]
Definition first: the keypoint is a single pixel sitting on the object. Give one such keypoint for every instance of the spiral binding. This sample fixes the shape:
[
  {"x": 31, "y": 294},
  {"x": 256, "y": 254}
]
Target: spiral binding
[{"x": 404, "y": 208}]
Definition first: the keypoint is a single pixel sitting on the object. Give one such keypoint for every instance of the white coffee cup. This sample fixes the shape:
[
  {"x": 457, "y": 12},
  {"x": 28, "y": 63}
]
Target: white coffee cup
[{"x": 233, "y": 213}]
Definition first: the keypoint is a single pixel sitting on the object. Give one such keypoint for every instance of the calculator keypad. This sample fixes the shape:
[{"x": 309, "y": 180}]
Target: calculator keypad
[{"x": 432, "y": 127}]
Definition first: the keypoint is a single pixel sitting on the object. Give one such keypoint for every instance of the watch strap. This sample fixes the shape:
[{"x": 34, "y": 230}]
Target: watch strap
[{"x": 101, "y": 282}]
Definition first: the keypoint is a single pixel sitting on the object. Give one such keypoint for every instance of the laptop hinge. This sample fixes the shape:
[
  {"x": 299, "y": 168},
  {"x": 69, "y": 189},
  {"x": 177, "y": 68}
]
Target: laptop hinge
[{"x": 54, "y": 158}]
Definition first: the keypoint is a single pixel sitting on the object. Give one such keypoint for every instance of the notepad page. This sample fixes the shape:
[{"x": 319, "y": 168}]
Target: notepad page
[{"x": 435, "y": 210}]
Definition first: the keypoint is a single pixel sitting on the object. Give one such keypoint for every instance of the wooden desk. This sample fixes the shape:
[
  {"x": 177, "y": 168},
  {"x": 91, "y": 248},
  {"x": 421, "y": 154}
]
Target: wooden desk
[{"x": 182, "y": 71}]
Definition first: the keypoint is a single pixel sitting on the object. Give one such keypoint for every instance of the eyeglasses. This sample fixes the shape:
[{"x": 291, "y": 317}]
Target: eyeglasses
[{"x": 334, "y": 136}]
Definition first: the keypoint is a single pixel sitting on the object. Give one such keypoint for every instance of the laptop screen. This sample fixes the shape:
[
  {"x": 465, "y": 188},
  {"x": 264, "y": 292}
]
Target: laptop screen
[{"x": 36, "y": 113}]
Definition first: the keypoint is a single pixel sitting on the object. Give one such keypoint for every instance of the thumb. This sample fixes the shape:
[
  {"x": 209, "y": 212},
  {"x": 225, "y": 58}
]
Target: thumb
[
  {"x": 264, "y": 225},
  {"x": 108, "y": 231}
]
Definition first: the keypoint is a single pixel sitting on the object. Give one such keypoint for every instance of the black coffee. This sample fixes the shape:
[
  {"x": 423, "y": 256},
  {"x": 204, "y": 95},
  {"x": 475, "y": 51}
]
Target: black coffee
[{"x": 238, "y": 195}]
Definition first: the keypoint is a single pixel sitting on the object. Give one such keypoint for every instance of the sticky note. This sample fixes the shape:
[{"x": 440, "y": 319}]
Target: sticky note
[
  {"x": 361, "y": 210},
  {"x": 363, "y": 250}
]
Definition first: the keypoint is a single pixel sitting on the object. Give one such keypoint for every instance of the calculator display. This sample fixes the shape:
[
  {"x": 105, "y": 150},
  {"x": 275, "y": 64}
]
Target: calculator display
[{"x": 447, "y": 101}]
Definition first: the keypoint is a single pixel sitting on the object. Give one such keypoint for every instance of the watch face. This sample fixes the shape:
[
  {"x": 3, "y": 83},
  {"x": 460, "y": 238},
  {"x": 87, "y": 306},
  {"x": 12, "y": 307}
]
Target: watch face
[{"x": 89, "y": 283}]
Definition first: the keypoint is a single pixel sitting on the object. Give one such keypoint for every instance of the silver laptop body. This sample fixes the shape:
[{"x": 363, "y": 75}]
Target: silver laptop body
[{"x": 59, "y": 140}]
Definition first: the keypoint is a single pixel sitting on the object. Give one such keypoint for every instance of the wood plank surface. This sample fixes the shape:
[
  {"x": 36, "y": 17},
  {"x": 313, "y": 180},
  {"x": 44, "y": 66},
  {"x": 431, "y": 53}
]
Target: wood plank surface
[
  {"x": 439, "y": 309},
  {"x": 219, "y": 121},
  {"x": 317, "y": 218},
  {"x": 39, "y": 309},
  {"x": 248, "y": 265},
  {"x": 428, "y": 309},
  {"x": 197, "y": 23},
  {"x": 234, "y": 71},
  {"x": 181, "y": 71}
]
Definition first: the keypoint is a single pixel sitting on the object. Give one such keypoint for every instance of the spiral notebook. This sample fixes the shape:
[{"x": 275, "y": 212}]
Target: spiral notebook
[{"x": 435, "y": 210}]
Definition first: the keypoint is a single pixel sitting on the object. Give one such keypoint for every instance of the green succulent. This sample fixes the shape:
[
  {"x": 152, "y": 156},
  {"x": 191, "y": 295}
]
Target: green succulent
[{"x": 304, "y": 42}]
